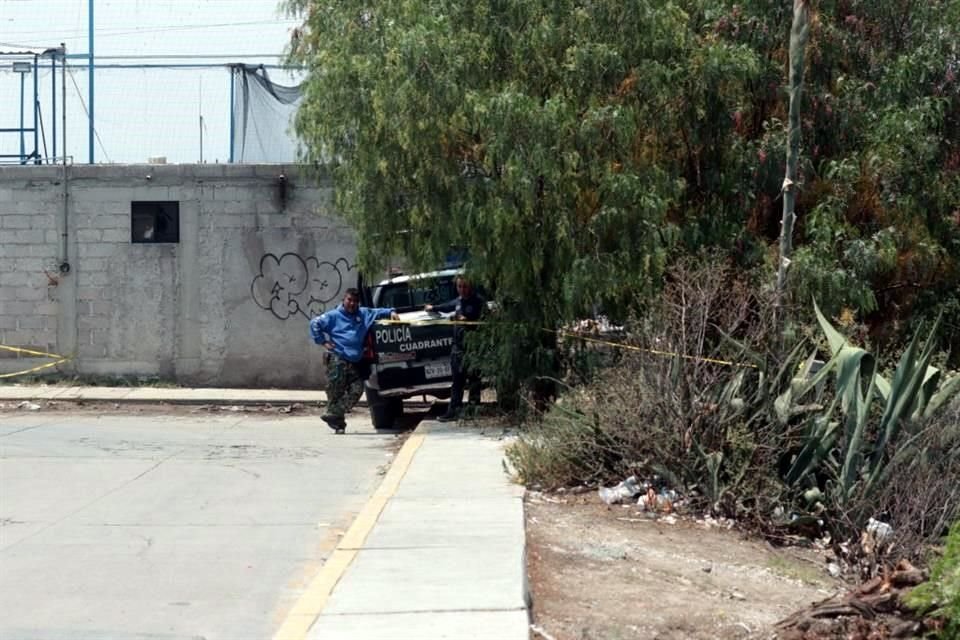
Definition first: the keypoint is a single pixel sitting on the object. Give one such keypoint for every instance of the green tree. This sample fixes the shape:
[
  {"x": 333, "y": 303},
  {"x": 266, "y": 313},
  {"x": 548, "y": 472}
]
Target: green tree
[
  {"x": 553, "y": 139},
  {"x": 576, "y": 147}
]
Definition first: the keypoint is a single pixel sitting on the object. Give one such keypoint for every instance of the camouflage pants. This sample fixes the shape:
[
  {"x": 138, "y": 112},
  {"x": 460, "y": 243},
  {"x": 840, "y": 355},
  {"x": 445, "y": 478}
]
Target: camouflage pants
[{"x": 344, "y": 385}]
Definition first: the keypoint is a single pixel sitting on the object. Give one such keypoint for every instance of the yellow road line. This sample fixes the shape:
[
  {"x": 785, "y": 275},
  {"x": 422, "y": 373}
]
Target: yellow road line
[{"x": 308, "y": 608}]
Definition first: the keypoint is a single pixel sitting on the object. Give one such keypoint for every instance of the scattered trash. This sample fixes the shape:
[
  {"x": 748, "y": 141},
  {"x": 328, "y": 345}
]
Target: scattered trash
[
  {"x": 626, "y": 490},
  {"x": 707, "y": 569},
  {"x": 290, "y": 408},
  {"x": 537, "y": 629},
  {"x": 29, "y": 406},
  {"x": 652, "y": 501},
  {"x": 881, "y": 531},
  {"x": 834, "y": 569},
  {"x": 235, "y": 408},
  {"x": 736, "y": 595},
  {"x": 876, "y": 539}
]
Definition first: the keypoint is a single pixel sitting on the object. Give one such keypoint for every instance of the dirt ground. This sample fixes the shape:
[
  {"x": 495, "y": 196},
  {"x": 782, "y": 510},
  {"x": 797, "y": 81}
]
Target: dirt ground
[{"x": 611, "y": 573}]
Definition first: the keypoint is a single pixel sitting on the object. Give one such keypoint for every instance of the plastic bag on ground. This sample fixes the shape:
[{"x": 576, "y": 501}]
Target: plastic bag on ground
[{"x": 626, "y": 490}]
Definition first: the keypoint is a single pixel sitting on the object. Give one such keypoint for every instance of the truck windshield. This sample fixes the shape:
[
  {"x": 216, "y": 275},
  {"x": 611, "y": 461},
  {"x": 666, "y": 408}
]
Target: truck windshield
[{"x": 413, "y": 295}]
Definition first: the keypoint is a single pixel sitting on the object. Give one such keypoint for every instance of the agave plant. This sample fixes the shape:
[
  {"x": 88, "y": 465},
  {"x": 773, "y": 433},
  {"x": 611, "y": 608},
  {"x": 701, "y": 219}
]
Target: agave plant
[{"x": 857, "y": 460}]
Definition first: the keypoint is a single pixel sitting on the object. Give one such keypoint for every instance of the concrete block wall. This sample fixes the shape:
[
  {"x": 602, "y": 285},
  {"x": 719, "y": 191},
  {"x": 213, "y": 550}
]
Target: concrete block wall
[{"x": 227, "y": 305}]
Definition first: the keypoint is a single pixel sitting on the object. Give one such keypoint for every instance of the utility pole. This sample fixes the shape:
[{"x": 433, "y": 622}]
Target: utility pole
[{"x": 90, "y": 73}]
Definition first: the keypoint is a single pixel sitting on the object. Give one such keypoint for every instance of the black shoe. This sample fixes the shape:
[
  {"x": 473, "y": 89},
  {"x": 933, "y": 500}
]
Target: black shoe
[
  {"x": 337, "y": 423},
  {"x": 449, "y": 416}
]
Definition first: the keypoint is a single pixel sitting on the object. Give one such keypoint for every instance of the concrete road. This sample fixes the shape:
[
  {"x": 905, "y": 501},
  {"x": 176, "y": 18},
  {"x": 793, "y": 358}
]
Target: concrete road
[{"x": 169, "y": 527}]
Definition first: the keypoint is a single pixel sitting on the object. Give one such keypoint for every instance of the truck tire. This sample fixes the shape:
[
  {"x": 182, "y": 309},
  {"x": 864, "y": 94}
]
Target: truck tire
[{"x": 383, "y": 411}]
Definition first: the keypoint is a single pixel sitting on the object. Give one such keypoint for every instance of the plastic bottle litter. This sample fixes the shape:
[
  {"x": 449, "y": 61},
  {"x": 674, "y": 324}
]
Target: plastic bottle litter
[
  {"x": 881, "y": 531},
  {"x": 653, "y": 501},
  {"x": 626, "y": 490}
]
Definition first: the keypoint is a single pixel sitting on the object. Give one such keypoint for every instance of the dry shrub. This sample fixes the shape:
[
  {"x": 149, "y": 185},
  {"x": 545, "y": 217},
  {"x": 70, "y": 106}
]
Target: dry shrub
[
  {"x": 658, "y": 410},
  {"x": 920, "y": 493}
]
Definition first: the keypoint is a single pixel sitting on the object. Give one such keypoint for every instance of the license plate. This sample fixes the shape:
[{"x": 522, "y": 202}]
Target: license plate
[{"x": 440, "y": 370}]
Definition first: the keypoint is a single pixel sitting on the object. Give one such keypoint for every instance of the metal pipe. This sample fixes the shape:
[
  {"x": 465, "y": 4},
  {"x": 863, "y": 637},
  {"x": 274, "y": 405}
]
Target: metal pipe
[
  {"x": 90, "y": 65},
  {"x": 36, "y": 110},
  {"x": 64, "y": 261},
  {"x": 233, "y": 73},
  {"x": 53, "y": 98},
  {"x": 23, "y": 151}
]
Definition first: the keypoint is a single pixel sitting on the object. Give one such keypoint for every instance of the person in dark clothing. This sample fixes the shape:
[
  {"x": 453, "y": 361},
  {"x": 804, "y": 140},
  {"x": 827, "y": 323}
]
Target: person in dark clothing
[{"x": 468, "y": 306}]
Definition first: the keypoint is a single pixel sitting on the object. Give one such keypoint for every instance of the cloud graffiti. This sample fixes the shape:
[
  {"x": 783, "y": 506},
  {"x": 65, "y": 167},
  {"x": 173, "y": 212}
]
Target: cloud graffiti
[{"x": 292, "y": 285}]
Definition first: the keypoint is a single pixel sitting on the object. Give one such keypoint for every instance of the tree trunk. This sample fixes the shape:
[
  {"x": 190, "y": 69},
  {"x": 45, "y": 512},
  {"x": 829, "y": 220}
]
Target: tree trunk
[{"x": 798, "y": 41}]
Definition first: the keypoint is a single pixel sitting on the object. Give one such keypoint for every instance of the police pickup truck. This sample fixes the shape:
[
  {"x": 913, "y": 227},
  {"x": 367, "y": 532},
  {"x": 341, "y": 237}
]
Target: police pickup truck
[{"x": 410, "y": 357}]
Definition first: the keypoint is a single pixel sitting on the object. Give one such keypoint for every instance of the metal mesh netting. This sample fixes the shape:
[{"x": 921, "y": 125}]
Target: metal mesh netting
[{"x": 263, "y": 117}]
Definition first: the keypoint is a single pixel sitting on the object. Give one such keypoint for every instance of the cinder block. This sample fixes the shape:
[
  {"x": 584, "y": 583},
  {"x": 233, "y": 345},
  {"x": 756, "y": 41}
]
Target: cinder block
[
  {"x": 91, "y": 351},
  {"x": 31, "y": 264},
  {"x": 239, "y": 207},
  {"x": 89, "y": 293},
  {"x": 32, "y": 322},
  {"x": 95, "y": 278},
  {"x": 8, "y": 293},
  {"x": 116, "y": 220},
  {"x": 93, "y": 264},
  {"x": 18, "y": 338},
  {"x": 98, "y": 250},
  {"x": 31, "y": 294},
  {"x": 28, "y": 236},
  {"x": 115, "y": 235},
  {"x": 15, "y": 221},
  {"x": 88, "y": 235},
  {"x": 41, "y": 250},
  {"x": 93, "y": 322},
  {"x": 48, "y": 309},
  {"x": 231, "y": 193},
  {"x": 16, "y": 278},
  {"x": 43, "y": 221},
  {"x": 82, "y": 208},
  {"x": 100, "y": 308},
  {"x": 35, "y": 196},
  {"x": 8, "y": 322}
]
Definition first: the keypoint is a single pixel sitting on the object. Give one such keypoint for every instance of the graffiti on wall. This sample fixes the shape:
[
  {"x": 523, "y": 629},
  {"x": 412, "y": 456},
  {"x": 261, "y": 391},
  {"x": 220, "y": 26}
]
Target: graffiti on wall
[{"x": 291, "y": 285}]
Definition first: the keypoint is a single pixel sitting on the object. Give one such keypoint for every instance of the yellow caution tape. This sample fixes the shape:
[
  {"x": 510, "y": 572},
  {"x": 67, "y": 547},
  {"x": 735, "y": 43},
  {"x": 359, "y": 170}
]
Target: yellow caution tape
[
  {"x": 579, "y": 336},
  {"x": 59, "y": 359},
  {"x": 670, "y": 354}
]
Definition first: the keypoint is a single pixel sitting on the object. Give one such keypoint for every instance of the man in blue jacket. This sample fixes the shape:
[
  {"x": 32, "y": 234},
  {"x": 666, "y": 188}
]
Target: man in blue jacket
[{"x": 342, "y": 332}]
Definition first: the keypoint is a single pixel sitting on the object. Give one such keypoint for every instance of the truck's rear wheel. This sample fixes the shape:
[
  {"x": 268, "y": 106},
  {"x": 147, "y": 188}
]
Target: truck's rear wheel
[{"x": 383, "y": 411}]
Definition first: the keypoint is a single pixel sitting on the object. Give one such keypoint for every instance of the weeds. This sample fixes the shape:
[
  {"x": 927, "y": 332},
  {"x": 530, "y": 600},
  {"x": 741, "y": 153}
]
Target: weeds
[
  {"x": 940, "y": 596},
  {"x": 833, "y": 442}
]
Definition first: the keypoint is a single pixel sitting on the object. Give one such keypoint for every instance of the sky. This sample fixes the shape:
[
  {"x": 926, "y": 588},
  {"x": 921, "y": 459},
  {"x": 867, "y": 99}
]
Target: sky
[{"x": 138, "y": 113}]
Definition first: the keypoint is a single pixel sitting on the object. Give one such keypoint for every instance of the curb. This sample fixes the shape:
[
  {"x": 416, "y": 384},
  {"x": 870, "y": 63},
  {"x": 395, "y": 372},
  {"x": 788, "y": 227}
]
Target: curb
[
  {"x": 120, "y": 395},
  {"x": 309, "y": 606}
]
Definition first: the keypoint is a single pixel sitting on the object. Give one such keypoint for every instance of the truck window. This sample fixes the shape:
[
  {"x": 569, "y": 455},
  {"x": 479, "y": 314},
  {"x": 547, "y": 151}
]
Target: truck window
[{"x": 403, "y": 296}]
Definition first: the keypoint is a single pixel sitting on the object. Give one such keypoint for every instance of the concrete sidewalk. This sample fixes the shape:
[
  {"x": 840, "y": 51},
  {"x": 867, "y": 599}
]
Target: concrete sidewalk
[
  {"x": 438, "y": 554},
  {"x": 172, "y": 395}
]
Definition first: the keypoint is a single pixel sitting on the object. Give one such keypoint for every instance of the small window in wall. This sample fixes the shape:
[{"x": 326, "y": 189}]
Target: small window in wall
[{"x": 155, "y": 221}]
